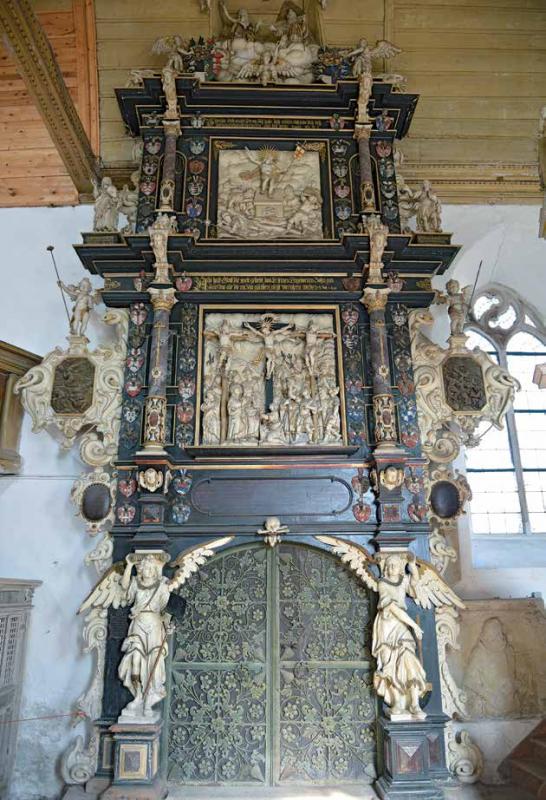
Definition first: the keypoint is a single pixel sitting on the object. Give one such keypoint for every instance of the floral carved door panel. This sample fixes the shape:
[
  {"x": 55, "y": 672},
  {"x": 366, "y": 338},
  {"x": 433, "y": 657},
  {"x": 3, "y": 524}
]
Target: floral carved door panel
[{"x": 270, "y": 676}]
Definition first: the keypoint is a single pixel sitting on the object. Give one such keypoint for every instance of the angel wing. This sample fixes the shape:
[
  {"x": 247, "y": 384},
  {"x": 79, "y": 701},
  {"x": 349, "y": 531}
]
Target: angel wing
[
  {"x": 108, "y": 591},
  {"x": 355, "y": 556},
  {"x": 284, "y": 69},
  {"x": 166, "y": 44},
  {"x": 251, "y": 70},
  {"x": 384, "y": 49},
  {"x": 467, "y": 294},
  {"x": 188, "y": 563},
  {"x": 428, "y": 589}
]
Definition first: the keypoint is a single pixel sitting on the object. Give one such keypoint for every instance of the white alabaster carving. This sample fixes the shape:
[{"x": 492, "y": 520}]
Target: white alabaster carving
[
  {"x": 500, "y": 663},
  {"x": 101, "y": 419},
  {"x": 107, "y": 205},
  {"x": 268, "y": 193},
  {"x": 464, "y": 757},
  {"x": 99, "y": 477},
  {"x": 270, "y": 379},
  {"x": 129, "y": 202},
  {"x": 399, "y": 677},
  {"x": 145, "y": 648},
  {"x": 273, "y": 531},
  {"x": 448, "y": 628},
  {"x": 85, "y": 298},
  {"x": 79, "y": 761},
  {"x": 101, "y": 555},
  {"x": 436, "y": 417}
]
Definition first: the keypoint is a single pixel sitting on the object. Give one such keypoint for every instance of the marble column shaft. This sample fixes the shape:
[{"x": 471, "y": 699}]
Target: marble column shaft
[
  {"x": 156, "y": 401},
  {"x": 375, "y": 300}
]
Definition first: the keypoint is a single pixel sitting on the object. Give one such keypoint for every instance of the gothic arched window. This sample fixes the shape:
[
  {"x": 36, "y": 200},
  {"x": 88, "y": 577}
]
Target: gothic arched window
[{"x": 507, "y": 470}]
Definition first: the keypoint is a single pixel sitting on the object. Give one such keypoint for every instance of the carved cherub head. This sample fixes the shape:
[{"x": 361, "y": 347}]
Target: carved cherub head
[{"x": 453, "y": 287}]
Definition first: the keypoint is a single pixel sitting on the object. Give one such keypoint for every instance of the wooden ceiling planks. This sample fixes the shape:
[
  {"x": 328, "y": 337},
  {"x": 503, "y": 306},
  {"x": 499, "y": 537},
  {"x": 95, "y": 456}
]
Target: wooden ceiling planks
[
  {"x": 31, "y": 168},
  {"x": 479, "y": 67}
]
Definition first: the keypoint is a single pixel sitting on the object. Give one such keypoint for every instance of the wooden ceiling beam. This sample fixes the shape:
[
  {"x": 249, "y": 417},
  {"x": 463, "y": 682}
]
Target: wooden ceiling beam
[{"x": 24, "y": 38}]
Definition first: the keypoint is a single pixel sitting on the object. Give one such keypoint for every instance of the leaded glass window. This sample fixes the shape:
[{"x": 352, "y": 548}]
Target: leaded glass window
[{"x": 507, "y": 471}]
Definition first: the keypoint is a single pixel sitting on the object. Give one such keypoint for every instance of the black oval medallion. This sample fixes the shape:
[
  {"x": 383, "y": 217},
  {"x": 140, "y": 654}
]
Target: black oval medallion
[
  {"x": 444, "y": 499},
  {"x": 96, "y": 502}
]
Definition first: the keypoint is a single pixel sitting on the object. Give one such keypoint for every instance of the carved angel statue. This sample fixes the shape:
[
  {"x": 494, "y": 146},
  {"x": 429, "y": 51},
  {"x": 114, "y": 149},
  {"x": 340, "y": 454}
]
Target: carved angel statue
[
  {"x": 269, "y": 67},
  {"x": 429, "y": 210},
  {"x": 107, "y": 205},
  {"x": 362, "y": 57},
  {"x": 175, "y": 47},
  {"x": 293, "y": 26},
  {"x": 458, "y": 305},
  {"x": 142, "y": 666},
  {"x": 129, "y": 202},
  {"x": 363, "y": 54},
  {"x": 84, "y": 297},
  {"x": 240, "y": 26},
  {"x": 399, "y": 677}
]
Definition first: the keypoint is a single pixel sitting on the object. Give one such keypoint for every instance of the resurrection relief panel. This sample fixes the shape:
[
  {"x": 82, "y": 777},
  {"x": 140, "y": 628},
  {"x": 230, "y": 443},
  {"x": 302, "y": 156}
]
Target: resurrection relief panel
[{"x": 268, "y": 193}]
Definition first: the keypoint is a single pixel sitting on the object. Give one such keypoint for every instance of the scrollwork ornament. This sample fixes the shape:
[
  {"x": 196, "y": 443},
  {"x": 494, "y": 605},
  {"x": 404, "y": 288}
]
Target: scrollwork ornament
[
  {"x": 444, "y": 423},
  {"x": 94, "y": 495},
  {"x": 79, "y": 762},
  {"x": 465, "y": 758},
  {"x": 99, "y": 416},
  {"x": 448, "y": 492},
  {"x": 447, "y": 636}
]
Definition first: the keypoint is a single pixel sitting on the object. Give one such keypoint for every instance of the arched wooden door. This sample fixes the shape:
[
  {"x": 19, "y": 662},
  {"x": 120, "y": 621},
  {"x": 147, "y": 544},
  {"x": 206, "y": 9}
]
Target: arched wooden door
[{"x": 270, "y": 677}]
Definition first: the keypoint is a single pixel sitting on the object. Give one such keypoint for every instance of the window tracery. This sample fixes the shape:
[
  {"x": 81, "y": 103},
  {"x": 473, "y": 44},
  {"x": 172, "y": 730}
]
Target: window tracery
[{"x": 507, "y": 471}]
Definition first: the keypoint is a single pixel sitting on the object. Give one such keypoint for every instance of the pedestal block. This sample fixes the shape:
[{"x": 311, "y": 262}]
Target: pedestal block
[
  {"x": 413, "y": 759},
  {"x": 136, "y": 763}
]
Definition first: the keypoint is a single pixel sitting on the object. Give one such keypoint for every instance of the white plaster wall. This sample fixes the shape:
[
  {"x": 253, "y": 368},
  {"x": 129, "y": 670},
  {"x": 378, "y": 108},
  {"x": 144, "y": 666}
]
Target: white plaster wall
[{"x": 39, "y": 536}]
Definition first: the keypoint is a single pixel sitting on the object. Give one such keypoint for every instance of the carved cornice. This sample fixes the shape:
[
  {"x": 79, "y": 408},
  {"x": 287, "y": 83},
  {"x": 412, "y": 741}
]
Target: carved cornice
[{"x": 25, "y": 39}]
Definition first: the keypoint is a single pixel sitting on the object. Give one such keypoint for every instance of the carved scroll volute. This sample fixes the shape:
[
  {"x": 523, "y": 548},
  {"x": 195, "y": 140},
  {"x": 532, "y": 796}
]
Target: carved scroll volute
[{"x": 79, "y": 389}]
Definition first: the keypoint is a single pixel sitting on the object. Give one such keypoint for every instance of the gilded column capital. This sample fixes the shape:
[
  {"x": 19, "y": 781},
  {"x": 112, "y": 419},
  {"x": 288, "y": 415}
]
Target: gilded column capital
[
  {"x": 162, "y": 299},
  {"x": 171, "y": 127},
  {"x": 362, "y": 132},
  {"x": 375, "y": 299}
]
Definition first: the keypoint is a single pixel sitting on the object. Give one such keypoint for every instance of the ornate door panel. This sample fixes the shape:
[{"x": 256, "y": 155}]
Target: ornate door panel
[{"x": 270, "y": 678}]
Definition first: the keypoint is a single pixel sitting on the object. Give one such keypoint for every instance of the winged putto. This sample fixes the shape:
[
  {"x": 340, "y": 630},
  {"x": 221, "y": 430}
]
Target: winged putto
[
  {"x": 145, "y": 648},
  {"x": 400, "y": 677}
]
